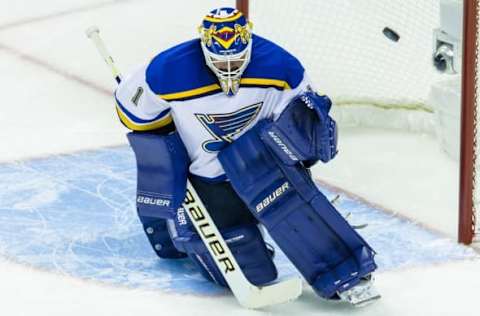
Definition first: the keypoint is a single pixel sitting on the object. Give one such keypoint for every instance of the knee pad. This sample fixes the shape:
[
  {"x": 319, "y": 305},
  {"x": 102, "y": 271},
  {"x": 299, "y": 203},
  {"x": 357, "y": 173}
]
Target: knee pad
[{"x": 245, "y": 242}]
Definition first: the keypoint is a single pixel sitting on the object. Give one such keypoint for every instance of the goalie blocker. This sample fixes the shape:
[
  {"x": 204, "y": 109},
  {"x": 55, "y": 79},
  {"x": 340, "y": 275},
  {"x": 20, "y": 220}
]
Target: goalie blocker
[{"x": 266, "y": 169}]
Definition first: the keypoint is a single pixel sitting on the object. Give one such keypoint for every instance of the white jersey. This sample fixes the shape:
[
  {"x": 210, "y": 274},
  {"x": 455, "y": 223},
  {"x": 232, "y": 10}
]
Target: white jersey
[{"x": 206, "y": 119}]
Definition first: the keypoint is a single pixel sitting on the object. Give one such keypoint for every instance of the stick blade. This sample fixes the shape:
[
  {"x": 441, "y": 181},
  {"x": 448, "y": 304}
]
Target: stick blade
[{"x": 276, "y": 293}]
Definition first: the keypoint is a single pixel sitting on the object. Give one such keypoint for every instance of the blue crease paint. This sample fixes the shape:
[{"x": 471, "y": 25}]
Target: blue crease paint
[{"x": 75, "y": 214}]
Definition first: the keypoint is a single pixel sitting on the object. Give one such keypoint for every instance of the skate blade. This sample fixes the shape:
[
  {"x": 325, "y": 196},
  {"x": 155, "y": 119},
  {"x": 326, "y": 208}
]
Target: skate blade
[{"x": 361, "y": 295}]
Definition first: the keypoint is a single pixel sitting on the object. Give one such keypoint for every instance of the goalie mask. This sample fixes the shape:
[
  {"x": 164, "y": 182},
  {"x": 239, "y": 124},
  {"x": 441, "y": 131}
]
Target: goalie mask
[{"x": 226, "y": 41}]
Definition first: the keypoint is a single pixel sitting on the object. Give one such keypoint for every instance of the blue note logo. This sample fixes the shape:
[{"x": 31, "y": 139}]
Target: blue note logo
[{"x": 223, "y": 127}]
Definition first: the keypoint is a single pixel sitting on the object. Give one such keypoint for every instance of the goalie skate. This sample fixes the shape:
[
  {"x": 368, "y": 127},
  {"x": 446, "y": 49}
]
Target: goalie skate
[{"x": 362, "y": 294}]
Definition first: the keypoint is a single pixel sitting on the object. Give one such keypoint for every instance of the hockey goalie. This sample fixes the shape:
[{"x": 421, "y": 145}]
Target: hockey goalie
[{"x": 236, "y": 116}]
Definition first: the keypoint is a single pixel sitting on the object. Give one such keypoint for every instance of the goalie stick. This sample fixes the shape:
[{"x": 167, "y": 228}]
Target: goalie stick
[{"x": 247, "y": 294}]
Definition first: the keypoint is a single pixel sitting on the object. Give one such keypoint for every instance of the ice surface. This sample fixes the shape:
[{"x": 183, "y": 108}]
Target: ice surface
[
  {"x": 75, "y": 214},
  {"x": 77, "y": 222}
]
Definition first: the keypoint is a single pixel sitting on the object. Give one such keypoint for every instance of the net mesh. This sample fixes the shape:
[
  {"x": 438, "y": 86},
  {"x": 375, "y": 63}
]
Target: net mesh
[
  {"x": 373, "y": 58},
  {"x": 344, "y": 49}
]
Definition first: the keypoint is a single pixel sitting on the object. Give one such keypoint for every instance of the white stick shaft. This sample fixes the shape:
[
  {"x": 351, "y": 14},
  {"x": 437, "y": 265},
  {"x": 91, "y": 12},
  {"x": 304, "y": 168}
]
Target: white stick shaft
[{"x": 94, "y": 34}]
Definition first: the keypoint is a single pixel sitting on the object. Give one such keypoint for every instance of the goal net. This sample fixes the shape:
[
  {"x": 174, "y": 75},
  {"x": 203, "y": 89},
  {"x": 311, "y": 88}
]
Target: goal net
[{"x": 375, "y": 59}]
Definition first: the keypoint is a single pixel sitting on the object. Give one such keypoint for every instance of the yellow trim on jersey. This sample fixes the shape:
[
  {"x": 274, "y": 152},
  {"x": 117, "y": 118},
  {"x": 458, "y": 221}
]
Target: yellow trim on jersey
[
  {"x": 190, "y": 93},
  {"x": 266, "y": 82},
  {"x": 228, "y": 19},
  {"x": 143, "y": 127},
  {"x": 202, "y": 90}
]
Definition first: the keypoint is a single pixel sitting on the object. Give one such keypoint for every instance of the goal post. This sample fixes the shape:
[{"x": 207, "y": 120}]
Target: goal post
[
  {"x": 468, "y": 145},
  {"x": 386, "y": 82},
  {"x": 243, "y": 6}
]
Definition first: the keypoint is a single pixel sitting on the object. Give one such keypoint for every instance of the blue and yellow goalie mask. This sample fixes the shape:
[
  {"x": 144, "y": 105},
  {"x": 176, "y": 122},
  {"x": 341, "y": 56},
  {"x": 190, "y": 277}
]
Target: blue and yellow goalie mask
[{"x": 226, "y": 40}]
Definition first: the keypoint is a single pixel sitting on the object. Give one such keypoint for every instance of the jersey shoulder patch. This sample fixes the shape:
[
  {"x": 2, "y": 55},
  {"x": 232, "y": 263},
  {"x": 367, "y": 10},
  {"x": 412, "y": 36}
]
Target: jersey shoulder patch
[
  {"x": 180, "y": 73},
  {"x": 272, "y": 66}
]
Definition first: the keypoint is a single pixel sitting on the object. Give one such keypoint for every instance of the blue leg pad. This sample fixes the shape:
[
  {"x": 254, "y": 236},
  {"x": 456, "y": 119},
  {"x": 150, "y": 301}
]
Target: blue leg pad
[
  {"x": 245, "y": 242},
  {"x": 162, "y": 164},
  {"x": 328, "y": 252}
]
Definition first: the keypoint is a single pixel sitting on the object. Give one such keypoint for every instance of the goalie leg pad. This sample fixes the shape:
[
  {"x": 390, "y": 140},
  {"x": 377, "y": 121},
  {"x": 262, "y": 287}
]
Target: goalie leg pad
[
  {"x": 162, "y": 164},
  {"x": 315, "y": 237},
  {"x": 245, "y": 242}
]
